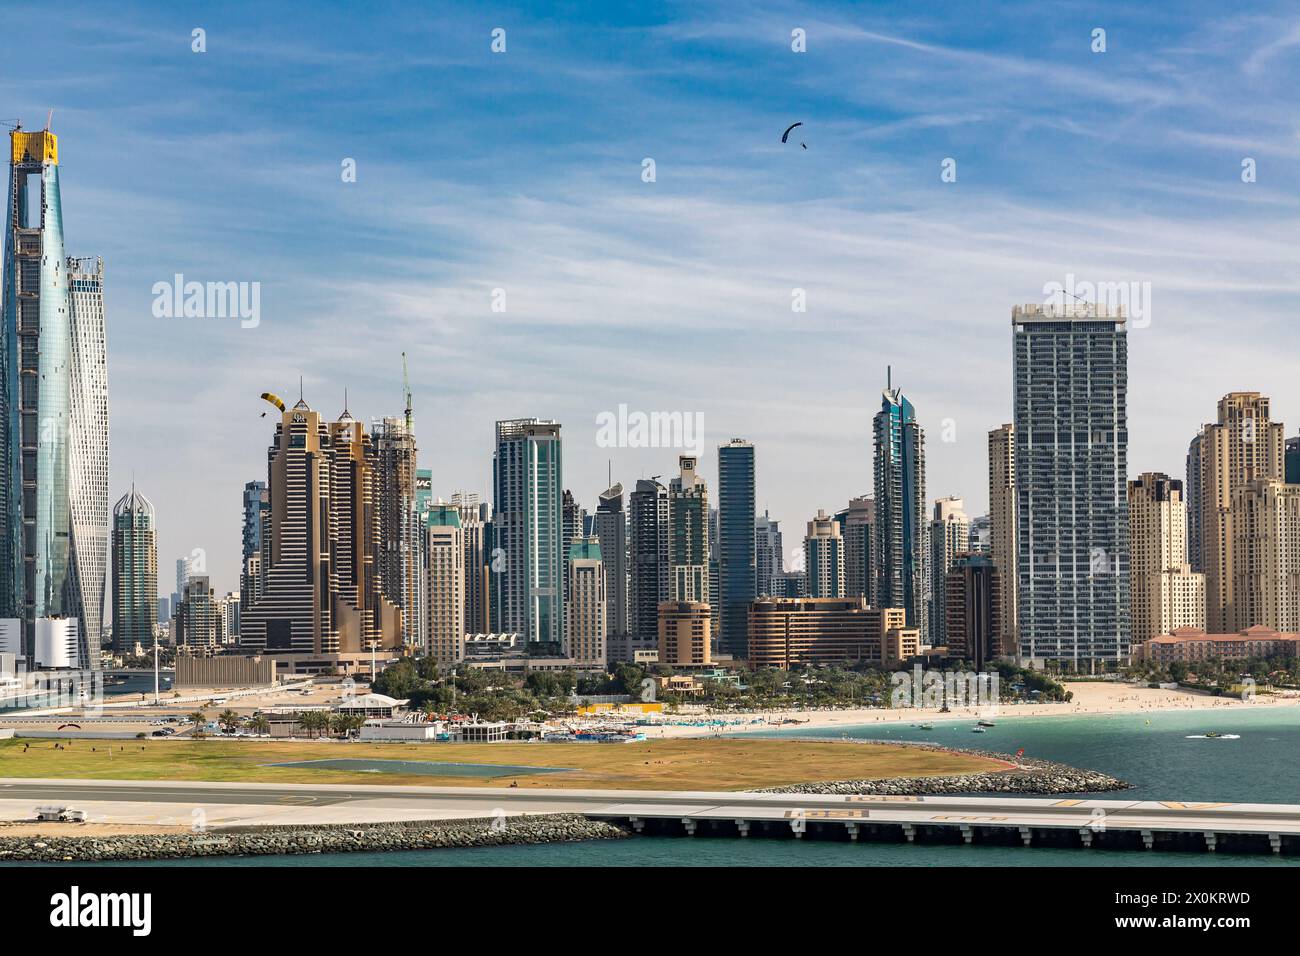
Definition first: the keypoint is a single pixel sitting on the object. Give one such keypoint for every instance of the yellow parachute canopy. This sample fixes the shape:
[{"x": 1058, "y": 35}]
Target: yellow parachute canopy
[{"x": 273, "y": 399}]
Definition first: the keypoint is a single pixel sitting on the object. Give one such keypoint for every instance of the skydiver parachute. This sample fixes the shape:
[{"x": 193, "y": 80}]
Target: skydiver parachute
[
  {"x": 785, "y": 135},
  {"x": 274, "y": 400}
]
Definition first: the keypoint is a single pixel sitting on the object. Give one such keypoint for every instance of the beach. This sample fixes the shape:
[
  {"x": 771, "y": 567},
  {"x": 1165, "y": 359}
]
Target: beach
[{"x": 1089, "y": 698}]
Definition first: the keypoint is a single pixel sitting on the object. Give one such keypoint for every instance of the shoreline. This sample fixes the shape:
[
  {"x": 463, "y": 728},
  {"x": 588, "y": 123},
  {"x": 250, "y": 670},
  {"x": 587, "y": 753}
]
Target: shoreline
[
  {"x": 1091, "y": 699},
  {"x": 1025, "y": 775}
]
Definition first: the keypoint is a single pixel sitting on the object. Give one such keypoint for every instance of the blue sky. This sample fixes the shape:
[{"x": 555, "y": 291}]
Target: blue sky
[{"x": 522, "y": 171}]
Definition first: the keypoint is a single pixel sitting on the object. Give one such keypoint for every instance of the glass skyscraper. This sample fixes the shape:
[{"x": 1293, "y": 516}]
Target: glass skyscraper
[
  {"x": 737, "y": 561},
  {"x": 53, "y": 410},
  {"x": 1071, "y": 434},
  {"x": 902, "y": 549},
  {"x": 528, "y": 529},
  {"x": 135, "y": 573}
]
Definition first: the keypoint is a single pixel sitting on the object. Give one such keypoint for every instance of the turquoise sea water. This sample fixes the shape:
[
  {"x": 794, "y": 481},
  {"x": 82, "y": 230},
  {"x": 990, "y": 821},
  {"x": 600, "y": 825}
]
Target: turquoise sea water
[{"x": 1263, "y": 766}]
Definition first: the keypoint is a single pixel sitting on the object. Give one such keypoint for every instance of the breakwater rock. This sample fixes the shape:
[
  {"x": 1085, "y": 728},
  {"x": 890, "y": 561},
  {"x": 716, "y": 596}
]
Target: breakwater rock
[
  {"x": 327, "y": 838},
  {"x": 1026, "y": 775}
]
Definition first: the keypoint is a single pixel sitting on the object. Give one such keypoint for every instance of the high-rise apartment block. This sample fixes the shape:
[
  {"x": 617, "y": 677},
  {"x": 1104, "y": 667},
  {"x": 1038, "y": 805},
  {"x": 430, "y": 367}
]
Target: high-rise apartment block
[
  {"x": 1166, "y": 593},
  {"x": 949, "y": 537},
  {"x": 688, "y": 535},
  {"x": 902, "y": 550},
  {"x": 527, "y": 526},
  {"x": 321, "y": 603},
  {"x": 823, "y": 550},
  {"x": 1071, "y": 456},
  {"x": 737, "y": 562},
  {"x": 858, "y": 529},
  {"x": 1243, "y": 445},
  {"x": 585, "y": 603}
]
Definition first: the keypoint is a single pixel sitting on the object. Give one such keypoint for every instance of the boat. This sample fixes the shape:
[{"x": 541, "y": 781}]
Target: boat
[
  {"x": 978, "y": 730},
  {"x": 926, "y": 726},
  {"x": 987, "y": 723}
]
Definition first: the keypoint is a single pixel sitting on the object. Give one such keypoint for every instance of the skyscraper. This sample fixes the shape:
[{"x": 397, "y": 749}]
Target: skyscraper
[
  {"x": 475, "y": 523},
  {"x": 737, "y": 563},
  {"x": 257, "y": 512},
  {"x": 1243, "y": 445},
  {"x": 648, "y": 581},
  {"x": 611, "y": 532},
  {"x": 1166, "y": 592},
  {"x": 949, "y": 537},
  {"x": 688, "y": 535},
  {"x": 1071, "y": 455},
  {"x": 446, "y": 584},
  {"x": 971, "y": 607},
  {"x": 528, "y": 487},
  {"x": 1264, "y": 523},
  {"x": 769, "y": 554},
  {"x": 53, "y": 411},
  {"x": 585, "y": 603},
  {"x": 574, "y": 520},
  {"x": 901, "y": 529},
  {"x": 858, "y": 528},
  {"x": 400, "y": 527},
  {"x": 135, "y": 573},
  {"x": 88, "y": 448},
  {"x": 823, "y": 556},
  {"x": 1002, "y": 530},
  {"x": 320, "y": 598}
]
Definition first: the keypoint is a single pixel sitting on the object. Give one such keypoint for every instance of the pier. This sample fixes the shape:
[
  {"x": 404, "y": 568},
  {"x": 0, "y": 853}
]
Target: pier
[{"x": 1029, "y": 822}]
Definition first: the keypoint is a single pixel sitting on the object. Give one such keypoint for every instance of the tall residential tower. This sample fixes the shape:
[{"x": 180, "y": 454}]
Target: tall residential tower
[{"x": 1071, "y": 456}]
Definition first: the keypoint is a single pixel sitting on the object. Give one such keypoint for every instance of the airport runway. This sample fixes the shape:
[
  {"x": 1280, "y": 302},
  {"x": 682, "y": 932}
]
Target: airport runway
[{"x": 244, "y": 804}]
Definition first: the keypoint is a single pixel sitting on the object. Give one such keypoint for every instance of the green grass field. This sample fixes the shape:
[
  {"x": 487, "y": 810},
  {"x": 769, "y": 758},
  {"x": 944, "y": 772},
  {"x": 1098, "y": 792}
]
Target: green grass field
[{"x": 683, "y": 764}]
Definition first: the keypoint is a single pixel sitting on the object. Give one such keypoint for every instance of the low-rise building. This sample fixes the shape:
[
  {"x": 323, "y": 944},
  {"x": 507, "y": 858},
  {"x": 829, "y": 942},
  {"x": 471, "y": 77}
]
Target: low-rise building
[
  {"x": 1188, "y": 645},
  {"x": 787, "y": 631}
]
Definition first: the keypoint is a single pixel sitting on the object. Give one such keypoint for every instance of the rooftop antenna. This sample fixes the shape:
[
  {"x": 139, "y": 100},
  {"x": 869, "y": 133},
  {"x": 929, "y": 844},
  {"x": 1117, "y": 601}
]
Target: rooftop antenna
[
  {"x": 300, "y": 388},
  {"x": 49, "y": 118},
  {"x": 889, "y": 377},
  {"x": 406, "y": 389}
]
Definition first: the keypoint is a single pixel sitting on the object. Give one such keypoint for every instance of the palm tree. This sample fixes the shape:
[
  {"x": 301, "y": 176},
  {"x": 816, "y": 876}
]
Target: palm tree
[
  {"x": 228, "y": 719},
  {"x": 198, "y": 718},
  {"x": 260, "y": 724}
]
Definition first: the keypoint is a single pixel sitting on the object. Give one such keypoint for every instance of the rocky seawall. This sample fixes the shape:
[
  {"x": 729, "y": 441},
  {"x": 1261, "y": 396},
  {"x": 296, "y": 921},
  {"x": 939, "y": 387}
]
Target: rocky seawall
[
  {"x": 1027, "y": 775},
  {"x": 332, "y": 838}
]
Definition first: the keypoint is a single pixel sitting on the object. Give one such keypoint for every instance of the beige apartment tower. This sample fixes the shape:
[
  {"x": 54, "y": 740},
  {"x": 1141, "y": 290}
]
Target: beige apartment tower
[
  {"x": 1166, "y": 593},
  {"x": 1002, "y": 530},
  {"x": 585, "y": 602},
  {"x": 1265, "y": 523},
  {"x": 446, "y": 584},
  {"x": 1244, "y": 445}
]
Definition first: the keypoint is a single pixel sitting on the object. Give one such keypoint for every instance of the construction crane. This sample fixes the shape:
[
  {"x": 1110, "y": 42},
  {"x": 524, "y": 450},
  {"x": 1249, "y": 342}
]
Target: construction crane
[{"x": 406, "y": 389}]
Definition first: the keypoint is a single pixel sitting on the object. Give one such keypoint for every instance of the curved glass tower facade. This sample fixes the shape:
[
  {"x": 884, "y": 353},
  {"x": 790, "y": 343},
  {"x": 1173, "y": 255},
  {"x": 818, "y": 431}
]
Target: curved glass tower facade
[{"x": 41, "y": 574}]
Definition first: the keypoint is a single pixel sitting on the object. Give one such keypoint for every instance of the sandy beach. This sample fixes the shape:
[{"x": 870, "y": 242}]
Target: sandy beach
[{"x": 1090, "y": 697}]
